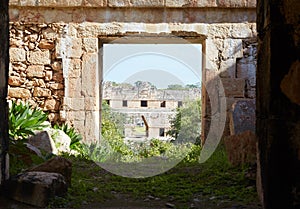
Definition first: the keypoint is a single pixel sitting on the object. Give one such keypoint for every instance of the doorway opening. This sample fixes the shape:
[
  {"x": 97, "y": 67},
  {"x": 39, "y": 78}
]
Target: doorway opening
[{"x": 154, "y": 75}]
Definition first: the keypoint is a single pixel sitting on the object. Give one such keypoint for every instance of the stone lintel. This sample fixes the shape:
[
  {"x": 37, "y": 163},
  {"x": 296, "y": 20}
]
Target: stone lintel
[{"x": 136, "y": 3}]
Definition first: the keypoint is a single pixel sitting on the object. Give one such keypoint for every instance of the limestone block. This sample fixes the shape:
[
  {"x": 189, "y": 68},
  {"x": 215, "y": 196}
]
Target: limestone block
[
  {"x": 36, "y": 71},
  {"x": 42, "y": 140},
  {"x": 51, "y": 104},
  {"x": 44, "y": 44},
  {"x": 206, "y": 3},
  {"x": 191, "y": 3},
  {"x": 49, "y": 34},
  {"x": 246, "y": 68},
  {"x": 242, "y": 117},
  {"x": 212, "y": 54},
  {"x": 21, "y": 93},
  {"x": 233, "y": 48},
  {"x": 58, "y": 93},
  {"x": 92, "y": 131},
  {"x": 74, "y": 87},
  {"x": 90, "y": 80},
  {"x": 58, "y": 77},
  {"x": 90, "y": 45},
  {"x": 36, "y": 188},
  {"x": 241, "y": 148},
  {"x": 80, "y": 126},
  {"x": 136, "y": 3},
  {"x": 57, "y": 164},
  {"x": 54, "y": 117},
  {"x": 234, "y": 87},
  {"x": 48, "y": 75},
  {"x": 56, "y": 66},
  {"x": 94, "y": 3},
  {"x": 74, "y": 69},
  {"x": 73, "y": 103},
  {"x": 229, "y": 102},
  {"x": 61, "y": 139},
  {"x": 15, "y": 81},
  {"x": 59, "y": 3},
  {"x": 76, "y": 115},
  {"x": 91, "y": 103},
  {"x": 14, "y": 2},
  {"x": 41, "y": 92},
  {"x": 251, "y": 93},
  {"x": 15, "y": 43},
  {"x": 17, "y": 55},
  {"x": 220, "y": 30},
  {"x": 69, "y": 48},
  {"x": 147, "y": 3},
  {"x": 241, "y": 30},
  {"x": 39, "y": 57},
  {"x": 237, "y": 3},
  {"x": 27, "y": 3},
  {"x": 227, "y": 68},
  {"x": 56, "y": 86},
  {"x": 14, "y": 14}
]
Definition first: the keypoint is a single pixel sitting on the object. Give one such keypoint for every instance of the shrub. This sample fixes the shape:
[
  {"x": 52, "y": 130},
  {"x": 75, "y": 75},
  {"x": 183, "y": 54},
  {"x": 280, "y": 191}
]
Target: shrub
[{"x": 24, "y": 120}]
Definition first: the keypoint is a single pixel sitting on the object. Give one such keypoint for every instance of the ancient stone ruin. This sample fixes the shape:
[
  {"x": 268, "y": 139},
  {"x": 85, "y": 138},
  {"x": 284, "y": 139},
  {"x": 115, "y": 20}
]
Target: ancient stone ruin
[{"x": 55, "y": 50}]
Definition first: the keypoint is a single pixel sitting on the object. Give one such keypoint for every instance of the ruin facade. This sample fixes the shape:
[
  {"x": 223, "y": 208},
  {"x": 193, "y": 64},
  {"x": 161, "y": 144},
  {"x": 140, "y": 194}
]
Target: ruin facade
[
  {"x": 55, "y": 49},
  {"x": 147, "y": 106}
]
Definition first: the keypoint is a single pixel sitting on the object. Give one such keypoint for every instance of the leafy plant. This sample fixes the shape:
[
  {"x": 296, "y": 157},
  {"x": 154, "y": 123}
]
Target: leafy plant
[
  {"x": 24, "y": 120},
  {"x": 72, "y": 133},
  {"x": 185, "y": 126}
]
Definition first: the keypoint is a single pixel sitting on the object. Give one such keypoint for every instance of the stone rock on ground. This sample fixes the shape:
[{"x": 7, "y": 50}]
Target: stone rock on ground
[
  {"x": 56, "y": 165},
  {"x": 36, "y": 188},
  {"x": 51, "y": 141},
  {"x": 43, "y": 140},
  {"x": 241, "y": 148}
]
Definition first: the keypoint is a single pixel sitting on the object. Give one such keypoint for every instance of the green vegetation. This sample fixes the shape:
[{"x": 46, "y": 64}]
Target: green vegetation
[
  {"x": 185, "y": 126},
  {"x": 90, "y": 183},
  {"x": 24, "y": 120},
  {"x": 180, "y": 185}
]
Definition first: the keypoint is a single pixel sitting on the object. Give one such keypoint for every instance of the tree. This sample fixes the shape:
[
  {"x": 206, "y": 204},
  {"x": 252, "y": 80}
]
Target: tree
[{"x": 186, "y": 125}]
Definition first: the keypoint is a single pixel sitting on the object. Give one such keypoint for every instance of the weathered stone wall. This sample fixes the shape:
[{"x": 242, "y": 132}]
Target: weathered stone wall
[
  {"x": 35, "y": 73},
  {"x": 54, "y": 49},
  {"x": 278, "y": 103}
]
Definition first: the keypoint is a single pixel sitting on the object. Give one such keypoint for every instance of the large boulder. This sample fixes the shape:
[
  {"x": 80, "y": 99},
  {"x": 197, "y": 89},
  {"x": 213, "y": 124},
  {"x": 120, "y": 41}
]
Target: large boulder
[
  {"x": 51, "y": 140},
  {"x": 36, "y": 188},
  {"x": 56, "y": 165}
]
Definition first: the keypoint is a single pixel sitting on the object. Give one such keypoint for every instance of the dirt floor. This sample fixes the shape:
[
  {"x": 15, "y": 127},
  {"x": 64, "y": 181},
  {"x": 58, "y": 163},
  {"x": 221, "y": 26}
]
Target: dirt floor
[{"x": 127, "y": 202}]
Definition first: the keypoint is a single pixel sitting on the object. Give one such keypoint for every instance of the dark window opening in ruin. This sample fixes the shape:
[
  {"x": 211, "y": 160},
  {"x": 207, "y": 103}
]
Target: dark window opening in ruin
[
  {"x": 107, "y": 101},
  {"x": 163, "y": 104},
  {"x": 124, "y": 103},
  {"x": 179, "y": 104},
  {"x": 161, "y": 132},
  {"x": 144, "y": 103}
]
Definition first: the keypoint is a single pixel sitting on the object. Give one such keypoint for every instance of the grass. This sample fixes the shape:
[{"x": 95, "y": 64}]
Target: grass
[{"x": 215, "y": 178}]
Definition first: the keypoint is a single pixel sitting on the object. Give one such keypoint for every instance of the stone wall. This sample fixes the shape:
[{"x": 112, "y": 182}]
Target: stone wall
[
  {"x": 278, "y": 103},
  {"x": 35, "y": 73},
  {"x": 55, "y": 48}
]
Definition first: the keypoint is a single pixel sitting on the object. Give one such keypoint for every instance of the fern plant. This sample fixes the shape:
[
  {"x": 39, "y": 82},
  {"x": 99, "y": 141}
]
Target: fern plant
[{"x": 24, "y": 120}]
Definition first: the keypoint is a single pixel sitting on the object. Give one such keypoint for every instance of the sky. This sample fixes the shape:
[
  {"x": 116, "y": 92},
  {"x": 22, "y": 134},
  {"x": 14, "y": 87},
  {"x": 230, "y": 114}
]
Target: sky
[{"x": 160, "y": 64}]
